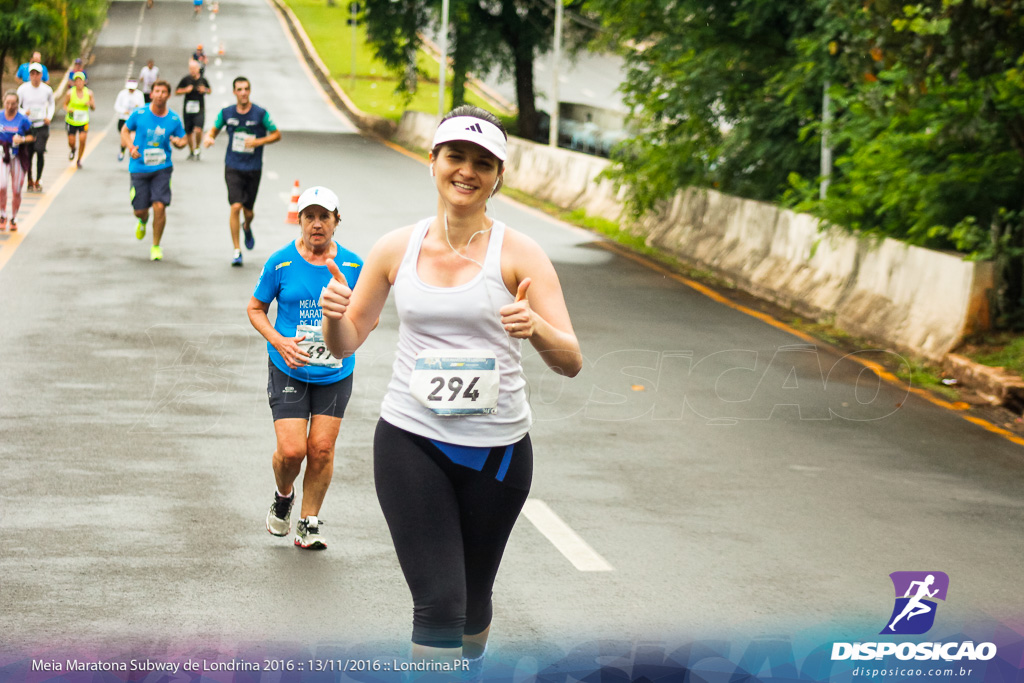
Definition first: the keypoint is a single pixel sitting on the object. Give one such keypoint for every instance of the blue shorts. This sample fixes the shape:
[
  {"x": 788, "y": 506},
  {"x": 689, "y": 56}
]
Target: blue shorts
[{"x": 148, "y": 188}]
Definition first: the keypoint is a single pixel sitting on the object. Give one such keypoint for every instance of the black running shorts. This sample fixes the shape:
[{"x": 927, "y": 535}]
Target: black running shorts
[
  {"x": 293, "y": 398},
  {"x": 42, "y": 134},
  {"x": 242, "y": 186},
  {"x": 193, "y": 121}
]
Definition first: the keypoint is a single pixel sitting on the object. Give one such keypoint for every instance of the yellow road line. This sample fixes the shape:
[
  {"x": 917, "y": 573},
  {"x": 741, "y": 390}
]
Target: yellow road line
[{"x": 877, "y": 368}]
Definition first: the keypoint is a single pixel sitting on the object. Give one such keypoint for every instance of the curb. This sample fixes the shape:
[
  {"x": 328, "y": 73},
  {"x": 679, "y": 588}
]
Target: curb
[
  {"x": 992, "y": 384},
  {"x": 368, "y": 123}
]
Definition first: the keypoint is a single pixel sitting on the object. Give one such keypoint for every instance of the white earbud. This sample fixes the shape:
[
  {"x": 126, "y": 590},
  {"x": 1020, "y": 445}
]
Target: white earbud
[{"x": 431, "y": 170}]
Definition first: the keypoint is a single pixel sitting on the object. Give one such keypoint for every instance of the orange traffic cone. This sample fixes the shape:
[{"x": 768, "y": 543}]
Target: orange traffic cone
[
  {"x": 293, "y": 207},
  {"x": 220, "y": 50}
]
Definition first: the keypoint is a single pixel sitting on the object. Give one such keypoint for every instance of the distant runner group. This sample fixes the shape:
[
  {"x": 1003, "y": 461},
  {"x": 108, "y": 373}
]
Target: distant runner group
[{"x": 148, "y": 129}]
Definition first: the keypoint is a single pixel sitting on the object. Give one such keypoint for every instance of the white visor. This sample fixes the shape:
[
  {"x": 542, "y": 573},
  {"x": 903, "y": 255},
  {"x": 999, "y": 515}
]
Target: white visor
[
  {"x": 472, "y": 129},
  {"x": 319, "y": 196},
  {"x": 131, "y": 85}
]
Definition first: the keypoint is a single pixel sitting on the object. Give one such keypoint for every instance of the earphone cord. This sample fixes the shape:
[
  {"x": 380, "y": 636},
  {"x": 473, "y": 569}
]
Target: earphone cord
[{"x": 487, "y": 290}]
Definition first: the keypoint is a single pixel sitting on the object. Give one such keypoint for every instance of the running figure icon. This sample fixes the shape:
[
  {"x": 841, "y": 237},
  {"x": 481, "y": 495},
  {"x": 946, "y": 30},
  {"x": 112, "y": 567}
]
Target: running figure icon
[
  {"x": 915, "y": 606},
  {"x": 917, "y": 595}
]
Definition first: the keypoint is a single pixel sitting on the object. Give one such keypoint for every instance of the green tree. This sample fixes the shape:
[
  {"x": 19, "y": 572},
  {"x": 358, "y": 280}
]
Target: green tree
[
  {"x": 482, "y": 34},
  {"x": 721, "y": 92},
  {"x": 54, "y": 27},
  {"x": 932, "y": 133},
  {"x": 24, "y": 26}
]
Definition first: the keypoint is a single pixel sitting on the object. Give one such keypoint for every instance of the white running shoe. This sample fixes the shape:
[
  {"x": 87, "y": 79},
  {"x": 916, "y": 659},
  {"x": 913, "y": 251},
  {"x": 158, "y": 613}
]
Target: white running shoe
[
  {"x": 279, "y": 518},
  {"x": 307, "y": 534}
]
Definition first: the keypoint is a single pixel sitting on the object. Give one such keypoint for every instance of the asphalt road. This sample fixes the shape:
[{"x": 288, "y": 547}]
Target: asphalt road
[{"x": 735, "y": 480}]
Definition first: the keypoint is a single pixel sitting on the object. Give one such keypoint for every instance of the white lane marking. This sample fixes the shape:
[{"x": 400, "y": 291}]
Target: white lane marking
[
  {"x": 218, "y": 61},
  {"x": 272, "y": 175},
  {"x": 567, "y": 541},
  {"x": 135, "y": 45},
  {"x": 220, "y": 75}
]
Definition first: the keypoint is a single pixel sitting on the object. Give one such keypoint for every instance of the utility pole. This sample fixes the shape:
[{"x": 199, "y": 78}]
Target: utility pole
[
  {"x": 444, "y": 58},
  {"x": 353, "y": 21},
  {"x": 826, "y": 148},
  {"x": 555, "y": 59}
]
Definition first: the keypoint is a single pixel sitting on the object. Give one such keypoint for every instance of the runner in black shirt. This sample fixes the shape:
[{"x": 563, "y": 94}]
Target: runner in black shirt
[{"x": 195, "y": 88}]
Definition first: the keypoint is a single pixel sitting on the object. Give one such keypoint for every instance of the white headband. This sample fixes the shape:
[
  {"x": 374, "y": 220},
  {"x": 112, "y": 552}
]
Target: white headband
[{"x": 472, "y": 129}]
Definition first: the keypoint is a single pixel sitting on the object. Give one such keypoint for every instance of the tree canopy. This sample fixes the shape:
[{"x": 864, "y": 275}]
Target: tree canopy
[
  {"x": 54, "y": 27},
  {"x": 483, "y": 34},
  {"x": 927, "y": 113}
]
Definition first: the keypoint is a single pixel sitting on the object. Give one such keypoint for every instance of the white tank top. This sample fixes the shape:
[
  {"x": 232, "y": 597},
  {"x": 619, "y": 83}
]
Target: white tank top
[{"x": 452, "y": 318}]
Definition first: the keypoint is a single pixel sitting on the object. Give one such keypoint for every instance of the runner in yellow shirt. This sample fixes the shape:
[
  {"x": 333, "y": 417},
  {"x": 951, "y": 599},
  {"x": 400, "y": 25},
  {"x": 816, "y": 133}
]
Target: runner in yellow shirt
[{"x": 78, "y": 102}]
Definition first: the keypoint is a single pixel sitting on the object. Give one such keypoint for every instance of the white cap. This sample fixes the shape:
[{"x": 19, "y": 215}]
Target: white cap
[
  {"x": 131, "y": 84},
  {"x": 35, "y": 66},
  {"x": 472, "y": 129},
  {"x": 319, "y": 196}
]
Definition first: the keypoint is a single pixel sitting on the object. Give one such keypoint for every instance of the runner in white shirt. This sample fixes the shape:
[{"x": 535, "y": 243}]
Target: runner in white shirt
[
  {"x": 148, "y": 75},
  {"x": 35, "y": 100},
  {"x": 128, "y": 100}
]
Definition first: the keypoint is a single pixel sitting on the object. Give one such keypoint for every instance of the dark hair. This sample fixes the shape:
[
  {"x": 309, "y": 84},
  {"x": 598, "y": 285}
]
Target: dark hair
[
  {"x": 239, "y": 79},
  {"x": 476, "y": 112},
  {"x": 162, "y": 84}
]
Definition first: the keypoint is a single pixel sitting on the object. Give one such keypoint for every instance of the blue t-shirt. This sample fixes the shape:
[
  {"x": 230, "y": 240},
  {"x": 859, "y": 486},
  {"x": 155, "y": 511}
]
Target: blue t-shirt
[
  {"x": 152, "y": 135},
  {"x": 256, "y": 123},
  {"x": 23, "y": 73},
  {"x": 19, "y": 125},
  {"x": 297, "y": 284}
]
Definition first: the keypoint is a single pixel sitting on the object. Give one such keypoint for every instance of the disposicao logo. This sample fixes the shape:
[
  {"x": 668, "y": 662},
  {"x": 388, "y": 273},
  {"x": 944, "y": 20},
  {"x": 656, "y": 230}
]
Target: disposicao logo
[
  {"x": 916, "y": 592},
  {"x": 914, "y": 614}
]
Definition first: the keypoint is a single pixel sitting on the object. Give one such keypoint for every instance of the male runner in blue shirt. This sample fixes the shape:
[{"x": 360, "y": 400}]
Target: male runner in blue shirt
[{"x": 148, "y": 135}]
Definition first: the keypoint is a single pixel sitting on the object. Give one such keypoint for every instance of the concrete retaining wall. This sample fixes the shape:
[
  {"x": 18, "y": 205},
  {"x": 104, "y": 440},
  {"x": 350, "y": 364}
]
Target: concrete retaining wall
[{"x": 908, "y": 298}]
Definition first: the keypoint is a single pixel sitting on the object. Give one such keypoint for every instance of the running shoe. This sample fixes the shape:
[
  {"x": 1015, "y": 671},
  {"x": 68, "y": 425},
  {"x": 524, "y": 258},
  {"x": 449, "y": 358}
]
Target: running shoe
[
  {"x": 156, "y": 253},
  {"x": 472, "y": 669},
  {"x": 39, "y": 188},
  {"x": 307, "y": 534},
  {"x": 140, "y": 229},
  {"x": 236, "y": 260},
  {"x": 71, "y": 155},
  {"x": 279, "y": 518},
  {"x": 250, "y": 241},
  {"x": 79, "y": 164},
  {"x": 12, "y": 226},
  {"x": 3, "y": 222},
  {"x": 120, "y": 155}
]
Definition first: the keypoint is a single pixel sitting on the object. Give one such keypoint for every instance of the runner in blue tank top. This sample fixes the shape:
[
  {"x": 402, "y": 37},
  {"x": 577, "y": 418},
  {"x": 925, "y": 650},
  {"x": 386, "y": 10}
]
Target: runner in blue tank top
[
  {"x": 453, "y": 461},
  {"x": 308, "y": 388}
]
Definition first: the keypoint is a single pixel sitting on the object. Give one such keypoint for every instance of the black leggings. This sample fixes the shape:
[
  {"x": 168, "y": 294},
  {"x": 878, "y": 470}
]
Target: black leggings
[{"x": 449, "y": 523}]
